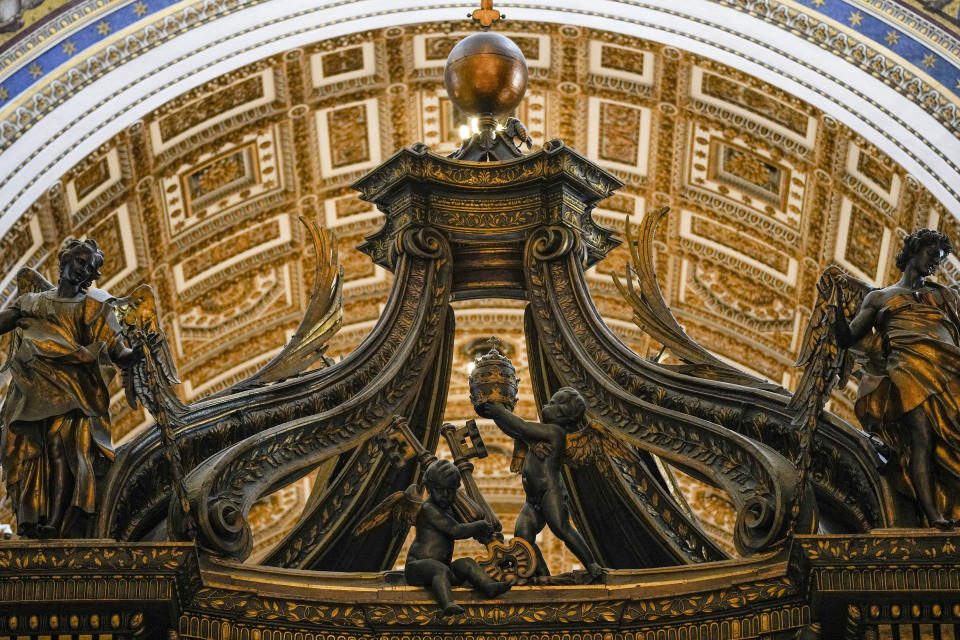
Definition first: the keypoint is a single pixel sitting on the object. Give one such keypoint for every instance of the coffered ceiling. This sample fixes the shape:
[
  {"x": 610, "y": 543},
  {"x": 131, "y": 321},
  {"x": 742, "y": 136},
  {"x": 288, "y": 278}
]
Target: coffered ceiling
[{"x": 200, "y": 199}]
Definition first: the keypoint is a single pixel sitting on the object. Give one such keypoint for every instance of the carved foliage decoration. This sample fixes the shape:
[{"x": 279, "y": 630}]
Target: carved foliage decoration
[
  {"x": 225, "y": 488},
  {"x": 843, "y": 467},
  {"x": 248, "y": 145},
  {"x": 760, "y": 482}
]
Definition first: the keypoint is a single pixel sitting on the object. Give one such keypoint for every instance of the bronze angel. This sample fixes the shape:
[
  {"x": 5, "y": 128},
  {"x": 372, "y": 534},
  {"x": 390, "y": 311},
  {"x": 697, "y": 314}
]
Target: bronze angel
[
  {"x": 67, "y": 339},
  {"x": 907, "y": 336}
]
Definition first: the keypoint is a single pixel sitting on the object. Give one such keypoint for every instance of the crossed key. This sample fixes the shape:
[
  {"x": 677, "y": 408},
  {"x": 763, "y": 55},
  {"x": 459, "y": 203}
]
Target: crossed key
[
  {"x": 399, "y": 444},
  {"x": 464, "y": 442},
  {"x": 515, "y": 560}
]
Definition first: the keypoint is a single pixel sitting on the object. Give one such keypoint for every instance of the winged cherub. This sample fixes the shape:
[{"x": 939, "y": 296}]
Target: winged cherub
[
  {"x": 909, "y": 394},
  {"x": 55, "y": 417},
  {"x": 430, "y": 560},
  {"x": 546, "y": 503}
]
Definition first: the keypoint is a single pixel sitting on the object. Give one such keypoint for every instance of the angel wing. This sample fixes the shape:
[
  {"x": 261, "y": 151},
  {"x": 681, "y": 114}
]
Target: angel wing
[
  {"x": 149, "y": 380},
  {"x": 588, "y": 445},
  {"x": 826, "y": 364},
  {"x": 582, "y": 448},
  {"x": 401, "y": 508},
  {"x": 30, "y": 281}
]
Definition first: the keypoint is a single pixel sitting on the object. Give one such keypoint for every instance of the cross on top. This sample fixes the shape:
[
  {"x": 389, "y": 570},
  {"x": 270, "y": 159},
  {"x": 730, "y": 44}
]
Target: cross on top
[
  {"x": 496, "y": 343},
  {"x": 486, "y": 15}
]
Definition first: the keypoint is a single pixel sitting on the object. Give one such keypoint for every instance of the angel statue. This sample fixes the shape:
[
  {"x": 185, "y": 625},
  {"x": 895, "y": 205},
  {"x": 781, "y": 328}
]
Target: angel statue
[
  {"x": 430, "y": 560},
  {"x": 67, "y": 340},
  {"x": 908, "y": 337}
]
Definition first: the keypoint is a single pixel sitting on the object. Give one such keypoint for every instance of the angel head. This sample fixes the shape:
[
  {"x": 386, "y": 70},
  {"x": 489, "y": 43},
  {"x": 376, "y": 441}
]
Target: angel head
[
  {"x": 565, "y": 408},
  {"x": 80, "y": 262},
  {"x": 442, "y": 480},
  {"x": 925, "y": 249}
]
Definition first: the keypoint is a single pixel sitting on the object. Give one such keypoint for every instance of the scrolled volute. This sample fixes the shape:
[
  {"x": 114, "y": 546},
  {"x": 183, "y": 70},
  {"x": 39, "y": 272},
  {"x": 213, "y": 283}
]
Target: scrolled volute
[
  {"x": 755, "y": 523},
  {"x": 224, "y": 520},
  {"x": 384, "y": 376},
  {"x": 553, "y": 241},
  {"x": 761, "y": 483},
  {"x": 423, "y": 242},
  {"x": 224, "y": 490}
]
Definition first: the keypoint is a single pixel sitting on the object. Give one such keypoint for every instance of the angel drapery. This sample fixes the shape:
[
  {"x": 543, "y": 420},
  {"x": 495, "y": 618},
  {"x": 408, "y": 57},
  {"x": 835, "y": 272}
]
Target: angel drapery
[
  {"x": 920, "y": 335},
  {"x": 66, "y": 342},
  {"x": 907, "y": 337},
  {"x": 61, "y": 361}
]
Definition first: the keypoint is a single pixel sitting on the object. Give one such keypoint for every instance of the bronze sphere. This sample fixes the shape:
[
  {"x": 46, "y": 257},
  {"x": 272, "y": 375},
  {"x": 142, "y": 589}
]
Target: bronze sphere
[{"x": 486, "y": 74}]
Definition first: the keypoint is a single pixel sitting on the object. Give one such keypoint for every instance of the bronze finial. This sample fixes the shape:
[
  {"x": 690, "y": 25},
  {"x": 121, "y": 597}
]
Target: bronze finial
[{"x": 486, "y": 15}]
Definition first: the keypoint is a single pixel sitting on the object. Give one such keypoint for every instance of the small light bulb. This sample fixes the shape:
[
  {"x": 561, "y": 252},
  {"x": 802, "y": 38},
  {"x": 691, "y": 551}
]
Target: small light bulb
[
  {"x": 499, "y": 127},
  {"x": 470, "y": 367},
  {"x": 464, "y": 132},
  {"x": 475, "y": 125}
]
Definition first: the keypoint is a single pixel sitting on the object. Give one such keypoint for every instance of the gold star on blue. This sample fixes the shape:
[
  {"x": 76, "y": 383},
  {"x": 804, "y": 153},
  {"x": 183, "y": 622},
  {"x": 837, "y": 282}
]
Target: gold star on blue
[
  {"x": 69, "y": 48},
  {"x": 818, "y": 3},
  {"x": 929, "y": 61},
  {"x": 855, "y": 18},
  {"x": 4, "y": 94},
  {"x": 140, "y": 9},
  {"x": 103, "y": 28},
  {"x": 892, "y": 38},
  {"x": 35, "y": 70}
]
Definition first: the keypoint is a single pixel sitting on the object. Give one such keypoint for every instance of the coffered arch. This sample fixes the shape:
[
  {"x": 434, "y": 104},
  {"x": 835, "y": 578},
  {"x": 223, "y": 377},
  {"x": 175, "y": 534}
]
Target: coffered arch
[
  {"x": 195, "y": 188},
  {"x": 81, "y": 102}
]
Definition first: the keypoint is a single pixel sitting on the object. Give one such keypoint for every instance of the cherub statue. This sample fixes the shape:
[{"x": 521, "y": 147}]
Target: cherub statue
[
  {"x": 909, "y": 336},
  {"x": 430, "y": 560},
  {"x": 55, "y": 417},
  {"x": 547, "y": 502}
]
